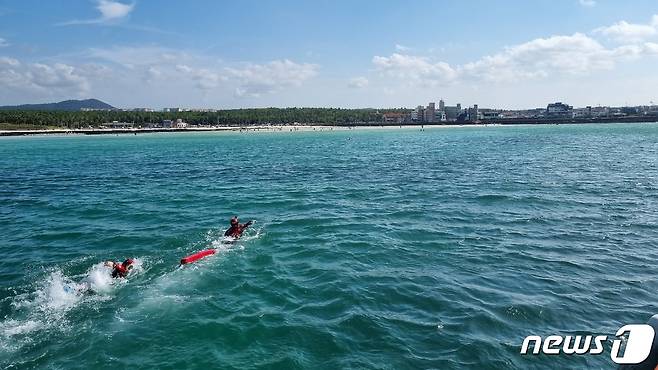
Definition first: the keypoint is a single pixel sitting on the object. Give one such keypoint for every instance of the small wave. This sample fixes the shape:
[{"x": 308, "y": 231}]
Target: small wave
[
  {"x": 11, "y": 329},
  {"x": 492, "y": 197}
]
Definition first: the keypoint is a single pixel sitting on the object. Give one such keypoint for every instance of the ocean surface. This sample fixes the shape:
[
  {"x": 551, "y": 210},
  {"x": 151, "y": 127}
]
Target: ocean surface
[{"x": 372, "y": 249}]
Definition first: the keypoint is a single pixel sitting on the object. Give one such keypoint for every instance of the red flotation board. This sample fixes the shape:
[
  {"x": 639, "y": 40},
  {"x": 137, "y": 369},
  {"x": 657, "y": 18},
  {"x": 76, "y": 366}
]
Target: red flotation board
[{"x": 197, "y": 256}]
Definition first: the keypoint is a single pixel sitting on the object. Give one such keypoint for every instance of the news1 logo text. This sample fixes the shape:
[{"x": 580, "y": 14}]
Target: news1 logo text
[{"x": 638, "y": 344}]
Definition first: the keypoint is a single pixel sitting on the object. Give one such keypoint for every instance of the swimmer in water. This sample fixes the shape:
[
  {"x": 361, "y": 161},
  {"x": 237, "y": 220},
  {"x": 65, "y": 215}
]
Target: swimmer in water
[
  {"x": 236, "y": 229},
  {"x": 120, "y": 270}
]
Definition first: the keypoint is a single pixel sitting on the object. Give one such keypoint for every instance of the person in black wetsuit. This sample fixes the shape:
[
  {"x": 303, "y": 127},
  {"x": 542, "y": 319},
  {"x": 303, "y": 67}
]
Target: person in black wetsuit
[{"x": 236, "y": 229}]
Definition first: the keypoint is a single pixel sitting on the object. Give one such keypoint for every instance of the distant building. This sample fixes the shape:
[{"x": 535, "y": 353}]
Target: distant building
[
  {"x": 117, "y": 124},
  {"x": 473, "y": 113},
  {"x": 167, "y": 123},
  {"x": 418, "y": 114},
  {"x": 617, "y": 112},
  {"x": 440, "y": 116},
  {"x": 525, "y": 113},
  {"x": 394, "y": 117},
  {"x": 430, "y": 112},
  {"x": 181, "y": 124},
  {"x": 600, "y": 112},
  {"x": 489, "y": 114},
  {"x": 559, "y": 110},
  {"x": 582, "y": 112},
  {"x": 202, "y": 110},
  {"x": 96, "y": 109},
  {"x": 452, "y": 112},
  {"x": 651, "y": 110}
]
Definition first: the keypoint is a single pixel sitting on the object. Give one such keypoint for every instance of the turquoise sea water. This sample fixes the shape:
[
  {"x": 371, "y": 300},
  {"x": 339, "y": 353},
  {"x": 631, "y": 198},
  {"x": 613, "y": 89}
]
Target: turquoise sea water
[{"x": 387, "y": 249}]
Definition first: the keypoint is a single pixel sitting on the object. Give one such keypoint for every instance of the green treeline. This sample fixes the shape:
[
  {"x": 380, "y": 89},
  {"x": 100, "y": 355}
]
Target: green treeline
[{"x": 81, "y": 119}]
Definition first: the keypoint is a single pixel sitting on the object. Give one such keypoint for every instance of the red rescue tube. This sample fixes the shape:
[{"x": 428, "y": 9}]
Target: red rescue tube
[{"x": 197, "y": 256}]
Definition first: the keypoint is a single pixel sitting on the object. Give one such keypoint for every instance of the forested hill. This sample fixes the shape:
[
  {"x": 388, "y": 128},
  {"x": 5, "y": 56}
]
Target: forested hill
[{"x": 66, "y": 105}]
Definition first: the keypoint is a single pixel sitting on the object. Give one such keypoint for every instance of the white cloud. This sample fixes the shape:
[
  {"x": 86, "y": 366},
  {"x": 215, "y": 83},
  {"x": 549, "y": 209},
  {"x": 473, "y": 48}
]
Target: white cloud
[
  {"x": 256, "y": 79},
  {"x": 630, "y": 32},
  {"x": 154, "y": 63},
  {"x": 399, "y": 47},
  {"x": 11, "y": 62},
  {"x": 10, "y": 75},
  {"x": 11, "y": 78},
  {"x": 110, "y": 12},
  {"x": 57, "y": 75},
  {"x": 205, "y": 79},
  {"x": 152, "y": 74},
  {"x": 541, "y": 58},
  {"x": 587, "y": 3},
  {"x": 183, "y": 68},
  {"x": 415, "y": 69},
  {"x": 651, "y": 48},
  {"x": 132, "y": 57},
  {"x": 113, "y": 10},
  {"x": 40, "y": 78},
  {"x": 3, "y": 43},
  {"x": 577, "y": 54},
  {"x": 358, "y": 82},
  {"x": 147, "y": 63}
]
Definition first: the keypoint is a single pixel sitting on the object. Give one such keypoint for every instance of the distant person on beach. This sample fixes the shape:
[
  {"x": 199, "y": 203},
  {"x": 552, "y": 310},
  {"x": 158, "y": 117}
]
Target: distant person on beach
[
  {"x": 236, "y": 229},
  {"x": 120, "y": 269}
]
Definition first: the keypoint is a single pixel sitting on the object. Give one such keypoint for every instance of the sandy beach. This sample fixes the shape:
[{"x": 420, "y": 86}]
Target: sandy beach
[{"x": 268, "y": 128}]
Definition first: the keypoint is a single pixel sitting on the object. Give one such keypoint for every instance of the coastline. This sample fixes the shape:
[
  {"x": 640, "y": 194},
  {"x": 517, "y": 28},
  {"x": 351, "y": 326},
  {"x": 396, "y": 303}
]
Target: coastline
[
  {"x": 256, "y": 128},
  {"x": 288, "y": 128}
]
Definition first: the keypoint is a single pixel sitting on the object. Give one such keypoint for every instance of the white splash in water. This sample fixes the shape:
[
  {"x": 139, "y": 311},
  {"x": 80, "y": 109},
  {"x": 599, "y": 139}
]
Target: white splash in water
[
  {"x": 53, "y": 298},
  {"x": 13, "y": 327},
  {"x": 99, "y": 279},
  {"x": 58, "y": 295}
]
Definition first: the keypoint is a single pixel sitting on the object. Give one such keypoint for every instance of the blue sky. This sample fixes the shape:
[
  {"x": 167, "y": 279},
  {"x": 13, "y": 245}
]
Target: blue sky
[{"x": 230, "y": 54}]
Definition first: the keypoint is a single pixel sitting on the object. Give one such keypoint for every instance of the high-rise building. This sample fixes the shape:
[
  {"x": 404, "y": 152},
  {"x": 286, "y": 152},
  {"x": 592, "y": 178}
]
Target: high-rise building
[
  {"x": 442, "y": 105},
  {"x": 418, "y": 115},
  {"x": 452, "y": 112},
  {"x": 473, "y": 113},
  {"x": 430, "y": 112}
]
